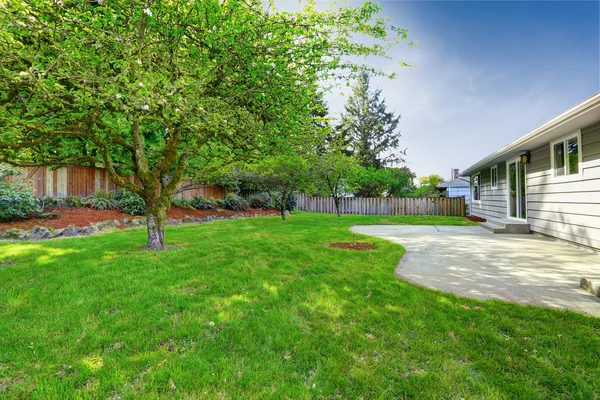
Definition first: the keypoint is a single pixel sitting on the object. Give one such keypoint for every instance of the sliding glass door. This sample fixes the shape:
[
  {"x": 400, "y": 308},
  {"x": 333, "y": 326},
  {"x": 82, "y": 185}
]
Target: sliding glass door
[{"x": 517, "y": 202}]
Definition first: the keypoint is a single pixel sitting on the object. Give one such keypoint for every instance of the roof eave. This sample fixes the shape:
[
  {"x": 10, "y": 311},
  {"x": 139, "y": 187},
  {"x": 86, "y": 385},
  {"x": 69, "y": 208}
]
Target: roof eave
[{"x": 584, "y": 106}]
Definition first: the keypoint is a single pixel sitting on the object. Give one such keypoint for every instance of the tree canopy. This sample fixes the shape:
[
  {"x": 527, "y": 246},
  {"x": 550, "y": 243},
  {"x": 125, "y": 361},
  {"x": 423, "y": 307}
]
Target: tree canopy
[
  {"x": 428, "y": 186},
  {"x": 152, "y": 88}
]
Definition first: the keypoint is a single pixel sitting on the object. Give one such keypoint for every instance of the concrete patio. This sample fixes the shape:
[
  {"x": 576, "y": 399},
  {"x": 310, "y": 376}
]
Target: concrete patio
[{"x": 472, "y": 262}]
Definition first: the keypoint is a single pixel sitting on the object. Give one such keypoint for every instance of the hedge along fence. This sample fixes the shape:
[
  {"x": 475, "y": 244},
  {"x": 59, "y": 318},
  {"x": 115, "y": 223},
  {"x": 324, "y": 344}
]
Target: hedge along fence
[{"x": 443, "y": 206}]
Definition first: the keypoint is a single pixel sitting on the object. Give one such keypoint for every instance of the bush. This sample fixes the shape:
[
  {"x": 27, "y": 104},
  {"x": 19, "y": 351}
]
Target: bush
[
  {"x": 235, "y": 203},
  {"x": 290, "y": 204},
  {"x": 48, "y": 215},
  {"x": 200, "y": 203},
  {"x": 17, "y": 201},
  {"x": 132, "y": 203},
  {"x": 102, "y": 200},
  {"x": 73, "y": 201},
  {"x": 51, "y": 201},
  {"x": 182, "y": 203},
  {"x": 261, "y": 201}
]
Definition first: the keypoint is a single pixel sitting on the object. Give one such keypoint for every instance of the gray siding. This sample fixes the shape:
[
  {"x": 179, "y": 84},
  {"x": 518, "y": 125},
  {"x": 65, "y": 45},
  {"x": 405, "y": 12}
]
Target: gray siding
[
  {"x": 493, "y": 201},
  {"x": 566, "y": 210},
  {"x": 454, "y": 191}
]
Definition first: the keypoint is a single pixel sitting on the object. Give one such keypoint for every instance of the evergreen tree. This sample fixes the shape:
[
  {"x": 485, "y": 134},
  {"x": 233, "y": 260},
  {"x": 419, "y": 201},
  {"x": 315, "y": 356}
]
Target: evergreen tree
[{"x": 368, "y": 129}]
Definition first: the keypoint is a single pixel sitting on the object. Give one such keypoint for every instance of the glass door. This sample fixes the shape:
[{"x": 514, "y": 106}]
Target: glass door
[{"x": 517, "y": 196}]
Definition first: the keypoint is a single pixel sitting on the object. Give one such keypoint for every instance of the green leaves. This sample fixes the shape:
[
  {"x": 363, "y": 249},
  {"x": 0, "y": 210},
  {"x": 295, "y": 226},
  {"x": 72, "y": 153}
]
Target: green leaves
[
  {"x": 207, "y": 83},
  {"x": 369, "y": 130}
]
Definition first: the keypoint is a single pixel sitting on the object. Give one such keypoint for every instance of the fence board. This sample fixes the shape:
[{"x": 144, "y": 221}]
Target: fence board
[
  {"x": 81, "y": 181},
  {"x": 443, "y": 206}
]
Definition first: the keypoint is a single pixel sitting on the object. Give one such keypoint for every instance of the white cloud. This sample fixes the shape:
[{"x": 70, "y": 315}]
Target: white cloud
[
  {"x": 457, "y": 107},
  {"x": 455, "y": 111}
]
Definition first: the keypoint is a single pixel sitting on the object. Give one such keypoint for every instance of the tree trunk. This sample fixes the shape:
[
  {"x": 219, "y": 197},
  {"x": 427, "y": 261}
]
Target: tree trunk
[
  {"x": 283, "y": 212},
  {"x": 336, "y": 200},
  {"x": 156, "y": 218},
  {"x": 283, "y": 203}
]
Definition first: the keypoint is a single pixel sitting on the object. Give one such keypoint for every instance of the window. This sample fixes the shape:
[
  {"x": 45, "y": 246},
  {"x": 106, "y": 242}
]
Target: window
[
  {"x": 494, "y": 176},
  {"x": 476, "y": 189},
  {"x": 565, "y": 156}
]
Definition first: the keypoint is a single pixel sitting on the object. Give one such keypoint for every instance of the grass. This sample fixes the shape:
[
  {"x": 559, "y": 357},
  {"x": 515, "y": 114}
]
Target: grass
[{"x": 258, "y": 308}]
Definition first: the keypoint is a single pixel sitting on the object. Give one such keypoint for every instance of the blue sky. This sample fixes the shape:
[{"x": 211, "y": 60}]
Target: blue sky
[{"x": 486, "y": 74}]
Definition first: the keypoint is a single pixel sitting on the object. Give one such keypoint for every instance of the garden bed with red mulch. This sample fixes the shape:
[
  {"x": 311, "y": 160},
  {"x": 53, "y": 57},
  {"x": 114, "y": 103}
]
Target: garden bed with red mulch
[
  {"x": 83, "y": 216},
  {"x": 476, "y": 219}
]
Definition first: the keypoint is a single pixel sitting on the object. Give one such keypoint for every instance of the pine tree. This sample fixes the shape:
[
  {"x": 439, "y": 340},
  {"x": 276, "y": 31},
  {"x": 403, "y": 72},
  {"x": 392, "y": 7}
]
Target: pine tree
[{"x": 368, "y": 129}]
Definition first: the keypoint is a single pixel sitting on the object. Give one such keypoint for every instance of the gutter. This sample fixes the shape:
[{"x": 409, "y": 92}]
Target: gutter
[{"x": 580, "y": 108}]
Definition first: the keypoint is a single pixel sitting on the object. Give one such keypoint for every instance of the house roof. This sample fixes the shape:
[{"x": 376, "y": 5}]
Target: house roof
[
  {"x": 583, "y": 114},
  {"x": 458, "y": 182}
]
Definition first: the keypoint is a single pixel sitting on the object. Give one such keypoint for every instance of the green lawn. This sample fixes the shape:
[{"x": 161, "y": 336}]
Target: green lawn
[{"x": 258, "y": 308}]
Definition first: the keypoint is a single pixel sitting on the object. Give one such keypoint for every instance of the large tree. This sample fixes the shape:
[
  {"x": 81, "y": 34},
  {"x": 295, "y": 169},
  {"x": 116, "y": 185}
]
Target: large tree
[
  {"x": 154, "y": 87},
  {"x": 368, "y": 129}
]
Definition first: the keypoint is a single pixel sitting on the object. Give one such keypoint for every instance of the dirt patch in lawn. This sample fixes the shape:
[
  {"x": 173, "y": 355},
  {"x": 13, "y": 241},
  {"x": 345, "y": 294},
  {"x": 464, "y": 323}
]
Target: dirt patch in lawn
[
  {"x": 353, "y": 246},
  {"x": 83, "y": 216},
  {"x": 476, "y": 219}
]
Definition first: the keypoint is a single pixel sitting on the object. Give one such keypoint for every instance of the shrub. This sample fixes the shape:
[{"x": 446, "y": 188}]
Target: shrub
[
  {"x": 219, "y": 203},
  {"x": 102, "y": 200},
  {"x": 73, "y": 201},
  {"x": 200, "y": 203},
  {"x": 48, "y": 215},
  {"x": 261, "y": 201},
  {"x": 175, "y": 203},
  {"x": 16, "y": 201},
  {"x": 51, "y": 201},
  {"x": 290, "y": 204},
  {"x": 100, "y": 203},
  {"x": 103, "y": 194},
  {"x": 132, "y": 203},
  {"x": 182, "y": 203},
  {"x": 235, "y": 203}
]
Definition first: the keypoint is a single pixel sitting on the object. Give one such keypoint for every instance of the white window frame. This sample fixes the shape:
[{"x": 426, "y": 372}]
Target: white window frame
[
  {"x": 492, "y": 169},
  {"x": 473, "y": 188},
  {"x": 566, "y": 177},
  {"x": 518, "y": 184}
]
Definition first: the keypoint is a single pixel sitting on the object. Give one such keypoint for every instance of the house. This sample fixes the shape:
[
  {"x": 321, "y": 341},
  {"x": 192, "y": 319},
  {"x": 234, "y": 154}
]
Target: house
[
  {"x": 85, "y": 181},
  {"x": 546, "y": 182},
  {"x": 458, "y": 187}
]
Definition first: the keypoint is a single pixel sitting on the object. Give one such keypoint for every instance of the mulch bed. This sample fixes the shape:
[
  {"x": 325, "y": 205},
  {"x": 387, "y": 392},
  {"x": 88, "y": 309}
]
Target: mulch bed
[
  {"x": 83, "y": 216},
  {"x": 353, "y": 246},
  {"x": 476, "y": 219}
]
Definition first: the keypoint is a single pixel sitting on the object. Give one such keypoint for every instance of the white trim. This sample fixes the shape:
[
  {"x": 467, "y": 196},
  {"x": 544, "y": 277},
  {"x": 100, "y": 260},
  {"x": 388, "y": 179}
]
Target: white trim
[
  {"x": 585, "y": 106},
  {"x": 566, "y": 177},
  {"x": 526, "y": 200},
  {"x": 508, "y": 162},
  {"x": 473, "y": 188},
  {"x": 517, "y": 161},
  {"x": 492, "y": 168}
]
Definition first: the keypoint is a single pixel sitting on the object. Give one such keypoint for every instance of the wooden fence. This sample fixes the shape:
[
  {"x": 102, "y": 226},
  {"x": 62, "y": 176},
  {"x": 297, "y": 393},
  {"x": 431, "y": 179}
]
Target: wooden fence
[
  {"x": 206, "y": 191},
  {"x": 85, "y": 181},
  {"x": 444, "y": 206}
]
